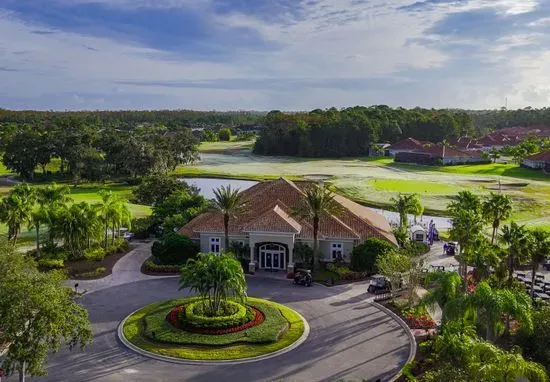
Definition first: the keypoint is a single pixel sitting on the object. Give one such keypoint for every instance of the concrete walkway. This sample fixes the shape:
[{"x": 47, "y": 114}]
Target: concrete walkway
[{"x": 126, "y": 270}]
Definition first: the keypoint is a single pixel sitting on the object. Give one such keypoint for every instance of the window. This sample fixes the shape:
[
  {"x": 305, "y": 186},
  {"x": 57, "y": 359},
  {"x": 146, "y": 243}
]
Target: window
[
  {"x": 337, "y": 251},
  {"x": 215, "y": 243},
  {"x": 419, "y": 237}
]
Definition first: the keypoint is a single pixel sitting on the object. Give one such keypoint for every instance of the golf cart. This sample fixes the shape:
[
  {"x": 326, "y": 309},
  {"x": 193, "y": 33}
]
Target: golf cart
[
  {"x": 379, "y": 284},
  {"x": 546, "y": 264},
  {"x": 450, "y": 248},
  {"x": 303, "y": 277}
]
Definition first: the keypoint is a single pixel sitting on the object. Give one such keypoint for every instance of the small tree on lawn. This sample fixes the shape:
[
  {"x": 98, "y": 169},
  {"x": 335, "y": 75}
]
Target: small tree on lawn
[
  {"x": 215, "y": 278},
  {"x": 37, "y": 313}
]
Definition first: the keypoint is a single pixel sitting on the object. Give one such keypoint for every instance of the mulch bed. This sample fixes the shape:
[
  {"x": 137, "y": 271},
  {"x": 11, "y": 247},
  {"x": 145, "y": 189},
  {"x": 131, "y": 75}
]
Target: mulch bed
[
  {"x": 172, "y": 318},
  {"x": 78, "y": 267}
]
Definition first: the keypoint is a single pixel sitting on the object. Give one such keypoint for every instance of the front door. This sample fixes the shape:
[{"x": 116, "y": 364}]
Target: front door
[{"x": 272, "y": 256}]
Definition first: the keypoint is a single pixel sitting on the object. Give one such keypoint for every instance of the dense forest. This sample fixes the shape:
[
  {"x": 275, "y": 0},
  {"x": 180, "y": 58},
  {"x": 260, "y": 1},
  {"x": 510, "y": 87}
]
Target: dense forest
[
  {"x": 486, "y": 120},
  {"x": 351, "y": 131}
]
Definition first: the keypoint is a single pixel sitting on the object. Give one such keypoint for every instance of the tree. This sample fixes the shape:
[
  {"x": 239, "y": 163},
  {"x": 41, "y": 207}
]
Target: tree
[
  {"x": 317, "y": 202},
  {"x": 187, "y": 203},
  {"x": 447, "y": 286},
  {"x": 535, "y": 343},
  {"x": 224, "y": 134},
  {"x": 77, "y": 225},
  {"x": 26, "y": 149},
  {"x": 38, "y": 313},
  {"x": 214, "y": 278},
  {"x": 394, "y": 265},
  {"x": 114, "y": 214},
  {"x": 229, "y": 203},
  {"x": 157, "y": 187},
  {"x": 517, "y": 241},
  {"x": 406, "y": 204},
  {"x": 50, "y": 199},
  {"x": 466, "y": 228},
  {"x": 496, "y": 208},
  {"x": 16, "y": 209},
  {"x": 364, "y": 256},
  {"x": 174, "y": 249},
  {"x": 494, "y": 154},
  {"x": 538, "y": 249},
  {"x": 465, "y": 200}
]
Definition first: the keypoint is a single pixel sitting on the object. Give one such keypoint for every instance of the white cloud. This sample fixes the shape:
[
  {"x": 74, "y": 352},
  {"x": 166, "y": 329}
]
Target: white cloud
[{"x": 343, "y": 39}]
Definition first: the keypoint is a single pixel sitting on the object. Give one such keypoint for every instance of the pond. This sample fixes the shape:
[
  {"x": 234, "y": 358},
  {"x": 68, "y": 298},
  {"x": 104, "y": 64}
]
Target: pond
[{"x": 207, "y": 186}]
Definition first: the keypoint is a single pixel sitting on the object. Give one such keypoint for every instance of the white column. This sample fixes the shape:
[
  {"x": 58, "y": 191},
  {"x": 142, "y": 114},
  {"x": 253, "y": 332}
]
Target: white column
[
  {"x": 252, "y": 263},
  {"x": 290, "y": 265}
]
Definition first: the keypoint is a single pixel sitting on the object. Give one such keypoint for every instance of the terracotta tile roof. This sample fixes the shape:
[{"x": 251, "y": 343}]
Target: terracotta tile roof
[
  {"x": 268, "y": 208},
  {"x": 274, "y": 220},
  {"x": 407, "y": 144},
  {"x": 437, "y": 151},
  {"x": 543, "y": 156}
]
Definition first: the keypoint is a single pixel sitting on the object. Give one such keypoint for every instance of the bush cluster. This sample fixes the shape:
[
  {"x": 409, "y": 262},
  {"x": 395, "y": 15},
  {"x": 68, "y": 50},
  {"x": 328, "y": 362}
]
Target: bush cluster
[
  {"x": 51, "y": 263},
  {"x": 95, "y": 254},
  {"x": 364, "y": 256},
  {"x": 196, "y": 315},
  {"x": 344, "y": 273},
  {"x": 174, "y": 249}
]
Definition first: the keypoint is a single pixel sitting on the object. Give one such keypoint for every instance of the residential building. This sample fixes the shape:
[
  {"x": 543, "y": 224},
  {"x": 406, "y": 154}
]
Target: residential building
[
  {"x": 437, "y": 154},
  {"x": 406, "y": 145},
  {"x": 539, "y": 161},
  {"x": 268, "y": 227}
]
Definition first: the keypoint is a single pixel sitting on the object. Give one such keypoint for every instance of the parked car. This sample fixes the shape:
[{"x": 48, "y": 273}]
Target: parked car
[{"x": 379, "y": 284}]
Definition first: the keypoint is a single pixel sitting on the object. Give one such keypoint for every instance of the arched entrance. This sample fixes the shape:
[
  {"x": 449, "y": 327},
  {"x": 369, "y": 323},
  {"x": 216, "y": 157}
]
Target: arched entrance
[{"x": 272, "y": 256}]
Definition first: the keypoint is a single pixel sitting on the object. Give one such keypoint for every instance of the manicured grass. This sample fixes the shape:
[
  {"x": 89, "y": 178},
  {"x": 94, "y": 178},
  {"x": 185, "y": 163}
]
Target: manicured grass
[
  {"x": 414, "y": 186},
  {"x": 195, "y": 172},
  {"x": 498, "y": 169},
  {"x": 134, "y": 332},
  {"x": 220, "y": 147}
]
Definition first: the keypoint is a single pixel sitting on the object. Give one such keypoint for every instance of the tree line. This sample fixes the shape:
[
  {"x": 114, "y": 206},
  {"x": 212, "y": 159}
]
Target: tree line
[
  {"x": 92, "y": 151},
  {"x": 352, "y": 131}
]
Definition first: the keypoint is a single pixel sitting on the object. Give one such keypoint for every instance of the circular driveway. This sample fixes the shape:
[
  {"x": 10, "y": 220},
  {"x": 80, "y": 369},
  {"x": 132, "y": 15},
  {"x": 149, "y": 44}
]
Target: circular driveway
[{"x": 350, "y": 339}]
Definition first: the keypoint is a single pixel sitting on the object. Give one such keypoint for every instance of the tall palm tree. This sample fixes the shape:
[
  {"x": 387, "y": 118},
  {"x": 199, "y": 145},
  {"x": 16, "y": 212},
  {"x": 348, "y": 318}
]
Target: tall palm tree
[
  {"x": 73, "y": 227},
  {"x": 517, "y": 240},
  {"x": 107, "y": 208},
  {"x": 50, "y": 199},
  {"x": 464, "y": 200},
  {"x": 538, "y": 248},
  {"x": 16, "y": 209},
  {"x": 317, "y": 202},
  {"x": 229, "y": 203},
  {"x": 37, "y": 217},
  {"x": 406, "y": 204},
  {"x": 466, "y": 228},
  {"x": 496, "y": 208},
  {"x": 448, "y": 286}
]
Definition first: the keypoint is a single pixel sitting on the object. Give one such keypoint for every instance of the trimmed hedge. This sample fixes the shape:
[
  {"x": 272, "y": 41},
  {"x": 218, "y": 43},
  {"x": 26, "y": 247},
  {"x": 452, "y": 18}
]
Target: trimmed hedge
[
  {"x": 195, "y": 316},
  {"x": 150, "y": 266}
]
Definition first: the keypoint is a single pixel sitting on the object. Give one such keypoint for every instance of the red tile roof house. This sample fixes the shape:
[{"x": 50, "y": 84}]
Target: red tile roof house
[
  {"x": 538, "y": 161},
  {"x": 406, "y": 145},
  {"x": 268, "y": 227},
  {"x": 437, "y": 154}
]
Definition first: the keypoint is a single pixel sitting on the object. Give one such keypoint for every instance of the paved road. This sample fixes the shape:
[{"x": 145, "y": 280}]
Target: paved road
[{"x": 350, "y": 339}]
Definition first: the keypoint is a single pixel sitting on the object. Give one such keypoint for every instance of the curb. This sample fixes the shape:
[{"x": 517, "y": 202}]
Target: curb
[
  {"x": 412, "y": 342},
  {"x": 131, "y": 346}
]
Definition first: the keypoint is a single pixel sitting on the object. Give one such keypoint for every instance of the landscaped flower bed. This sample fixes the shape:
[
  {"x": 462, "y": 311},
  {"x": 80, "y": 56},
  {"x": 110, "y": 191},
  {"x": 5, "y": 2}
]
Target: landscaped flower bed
[
  {"x": 417, "y": 318},
  {"x": 175, "y": 319}
]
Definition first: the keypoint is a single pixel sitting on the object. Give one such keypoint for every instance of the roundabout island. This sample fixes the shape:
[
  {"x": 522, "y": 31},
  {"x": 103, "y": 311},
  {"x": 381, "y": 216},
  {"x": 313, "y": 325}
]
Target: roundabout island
[{"x": 221, "y": 323}]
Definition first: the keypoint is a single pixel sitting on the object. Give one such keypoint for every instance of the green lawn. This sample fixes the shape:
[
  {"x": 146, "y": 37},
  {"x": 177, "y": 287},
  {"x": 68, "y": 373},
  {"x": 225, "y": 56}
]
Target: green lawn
[
  {"x": 497, "y": 169},
  {"x": 414, "y": 186},
  {"x": 133, "y": 330},
  {"x": 220, "y": 147}
]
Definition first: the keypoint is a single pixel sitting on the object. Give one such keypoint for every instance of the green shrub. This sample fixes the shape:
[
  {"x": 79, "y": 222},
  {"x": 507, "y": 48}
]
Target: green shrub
[
  {"x": 98, "y": 272},
  {"x": 415, "y": 248},
  {"x": 340, "y": 270},
  {"x": 235, "y": 314},
  {"x": 95, "y": 254},
  {"x": 143, "y": 227},
  {"x": 224, "y": 134},
  {"x": 150, "y": 266},
  {"x": 364, "y": 256},
  {"x": 303, "y": 255},
  {"x": 51, "y": 263},
  {"x": 174, "y": 249}
]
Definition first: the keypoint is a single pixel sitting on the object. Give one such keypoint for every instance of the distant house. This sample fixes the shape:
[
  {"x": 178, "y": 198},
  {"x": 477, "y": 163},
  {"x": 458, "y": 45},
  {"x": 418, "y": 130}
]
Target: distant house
[
  {"x": 438, "y": 154},
  {"x": 378, "y": 149},
  {"x": 406, "y": 145},
  {"x": 538, "y": 161},
  {"x": 465, "y": 144},
  {"x": 267, "y": 226}
]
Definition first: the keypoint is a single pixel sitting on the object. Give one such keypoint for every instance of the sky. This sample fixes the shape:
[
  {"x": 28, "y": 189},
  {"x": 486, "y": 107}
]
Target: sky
[{"x": 273, "y": 54}]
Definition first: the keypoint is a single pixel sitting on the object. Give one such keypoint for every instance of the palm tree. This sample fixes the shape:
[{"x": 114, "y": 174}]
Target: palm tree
[
  {"x": 487, "y": 305},
  {"x": 538, "y": 248},
  {"x": 229, "y": 203},
  {"x": 448, "y": 286},
  {"x": 107, "y": 209},
  {"x": 406, "y": 204},
  {"x": 36, "y": 218},
  {"x": 464, "y": 200},
  {"x": 16, "y": 209},
  {"x": 517, "y": 240},
  {"x": 317, "y": 202},
  {"x": 73, "y": 227},
  {"x": 50, "y": 199},
  {"x": 496, "y": 208},
  {"x": 466, "y": 228}
]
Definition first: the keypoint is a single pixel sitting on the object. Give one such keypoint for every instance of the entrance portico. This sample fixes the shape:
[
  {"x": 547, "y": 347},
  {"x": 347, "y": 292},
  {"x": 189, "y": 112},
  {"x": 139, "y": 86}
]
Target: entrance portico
[{"x": 271, "y": 251}]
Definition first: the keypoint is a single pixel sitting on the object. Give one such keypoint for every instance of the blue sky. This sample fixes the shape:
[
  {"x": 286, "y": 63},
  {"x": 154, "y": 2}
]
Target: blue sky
[{"x": 273, "y": 54}]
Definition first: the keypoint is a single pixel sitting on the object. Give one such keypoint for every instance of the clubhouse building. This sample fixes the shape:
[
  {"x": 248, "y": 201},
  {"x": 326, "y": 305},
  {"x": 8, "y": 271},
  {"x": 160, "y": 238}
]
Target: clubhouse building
[{"x": 268, "y": 227}]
